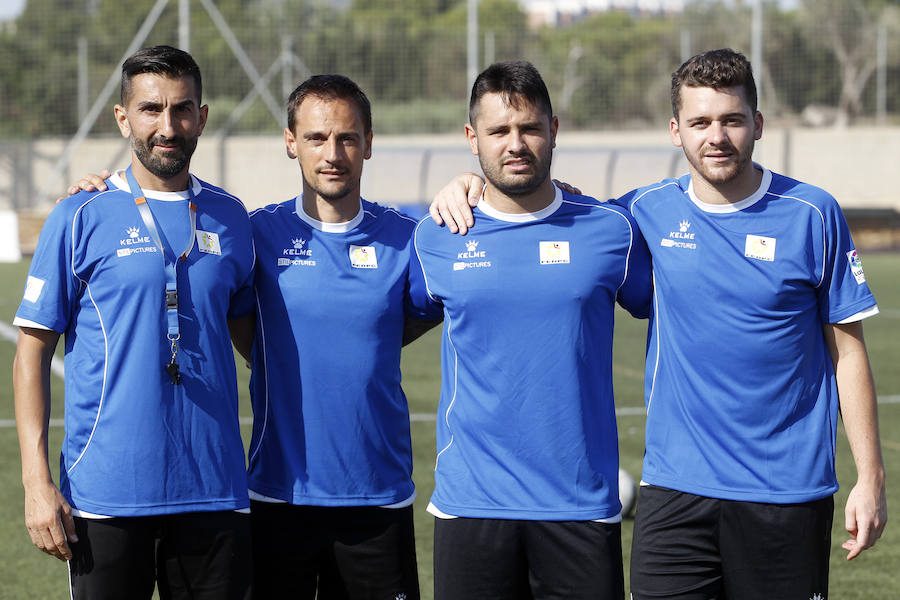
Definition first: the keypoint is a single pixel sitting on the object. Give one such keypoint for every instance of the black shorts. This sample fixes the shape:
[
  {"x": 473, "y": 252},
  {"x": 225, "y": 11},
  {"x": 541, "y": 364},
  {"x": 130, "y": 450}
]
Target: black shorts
[
  {"x": 511, "y": 560},
  {"x": 364, "y": 552},
  {"x": 697, "y": 548},
  {"x": 201, "y": 555}
]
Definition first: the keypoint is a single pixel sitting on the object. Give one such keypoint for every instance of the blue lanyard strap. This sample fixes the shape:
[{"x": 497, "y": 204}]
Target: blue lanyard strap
[{"x": 170, "y": 266}]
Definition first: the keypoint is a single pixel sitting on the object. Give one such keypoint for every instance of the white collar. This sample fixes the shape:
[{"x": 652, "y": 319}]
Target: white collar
[
  {"x": 522, "y": 217},
  {"x": 120, "y": 182},
  {"x": 327, "y": 227},
  {"x": 734, "y": 206}
]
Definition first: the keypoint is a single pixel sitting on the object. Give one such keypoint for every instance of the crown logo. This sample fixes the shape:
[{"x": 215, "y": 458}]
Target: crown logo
[
  {"x": 683, "y": 226},
  {"x": 132, "y": 232},
  {"x": 298, "y": 243},
  {"x": 471, "y": 245}
]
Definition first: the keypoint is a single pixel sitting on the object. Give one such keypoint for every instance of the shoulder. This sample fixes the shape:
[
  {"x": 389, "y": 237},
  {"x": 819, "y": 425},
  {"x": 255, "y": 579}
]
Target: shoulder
[
  {"x": 223, "y": 200},
  {"x": 272, "y": 212},
  {"x": 71, "y": 208},
  {"x": 654, "y": 192},
  {"x": 598, "y": 209},
  {"x": 804, "y": 194},
  {"x": 389, "y": 217}
]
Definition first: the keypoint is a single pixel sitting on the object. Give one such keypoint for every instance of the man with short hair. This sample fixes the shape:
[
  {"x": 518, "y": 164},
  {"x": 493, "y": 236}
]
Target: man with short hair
[
  {"x": 526, "y": 500},
  {"x": 331, "y": 457},
  {"x": 755, "y": 345},
  {"x": 143, "y": 279}
]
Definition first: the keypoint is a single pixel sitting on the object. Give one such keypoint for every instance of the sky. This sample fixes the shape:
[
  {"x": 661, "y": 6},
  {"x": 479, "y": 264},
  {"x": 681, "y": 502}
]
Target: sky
[{"x": 10, "y": 8}]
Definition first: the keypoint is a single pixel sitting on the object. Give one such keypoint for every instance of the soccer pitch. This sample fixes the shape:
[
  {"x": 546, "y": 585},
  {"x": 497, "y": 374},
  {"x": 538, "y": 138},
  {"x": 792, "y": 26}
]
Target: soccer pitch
[{"x": 27, "y": 573}]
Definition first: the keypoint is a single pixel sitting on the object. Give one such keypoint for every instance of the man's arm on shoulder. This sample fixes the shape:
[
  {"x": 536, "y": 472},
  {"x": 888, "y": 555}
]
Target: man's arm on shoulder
[
  {"x": 866, "y": 509},
  {"x": 48, "y": 516},
  {"x": 89, "y": 183}
]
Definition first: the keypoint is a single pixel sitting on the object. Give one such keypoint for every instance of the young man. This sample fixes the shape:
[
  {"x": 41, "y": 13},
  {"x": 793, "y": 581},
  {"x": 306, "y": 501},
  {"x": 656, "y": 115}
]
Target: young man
[
  {"x": 142, "y": 279},
  {"x": 755, "y": 346},
  {"x": 331, "y": 457},
  {"x": 526, "y": 500}
]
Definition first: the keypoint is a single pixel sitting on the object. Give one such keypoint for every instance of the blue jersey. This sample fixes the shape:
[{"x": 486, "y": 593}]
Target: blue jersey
[
  {"x": 740, "y": 387},
  {"x": 135, "y": 444},
  {"x": 526, "y": 423},
  {"x": 331, "y": 423}
]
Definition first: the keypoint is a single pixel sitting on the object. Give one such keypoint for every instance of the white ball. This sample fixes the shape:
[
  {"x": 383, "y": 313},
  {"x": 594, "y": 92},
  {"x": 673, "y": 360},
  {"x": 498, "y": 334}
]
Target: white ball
[{"x": 627, "y": 492}]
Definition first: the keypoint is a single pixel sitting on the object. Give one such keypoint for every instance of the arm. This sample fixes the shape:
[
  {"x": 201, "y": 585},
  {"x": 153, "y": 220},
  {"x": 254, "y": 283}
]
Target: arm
[
  {"x": 866, "y": 509},
  {"x": 89, "y": 183},
  {"x": 48, "y": 516},
  {"x": 454, "y": 202},
  {"x": 242, "y": 331},
  {"x": 413, "y": 328}
]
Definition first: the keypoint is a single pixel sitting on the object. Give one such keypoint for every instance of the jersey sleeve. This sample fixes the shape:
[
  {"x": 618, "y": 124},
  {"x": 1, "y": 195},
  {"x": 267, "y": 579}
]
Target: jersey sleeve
[
  {"x": 51, "y": 288},
  {"x": 636, "y": 291},
  {"x": 243, "y": 301},
  {"x": 844, "y": 291},
  {"x": 420, "y": 303}
]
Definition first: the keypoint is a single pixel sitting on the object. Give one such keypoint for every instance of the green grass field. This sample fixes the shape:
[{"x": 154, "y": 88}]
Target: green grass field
[{"x": 27, "y": 573}]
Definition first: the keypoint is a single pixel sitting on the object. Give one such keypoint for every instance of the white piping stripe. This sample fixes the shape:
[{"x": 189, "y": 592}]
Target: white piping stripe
[
  {"x": 11, "y": 334},
  {"x": 448, "y": 329},
  {"x": 824, "y": 233},
  {"x": 262, "y": 332}
]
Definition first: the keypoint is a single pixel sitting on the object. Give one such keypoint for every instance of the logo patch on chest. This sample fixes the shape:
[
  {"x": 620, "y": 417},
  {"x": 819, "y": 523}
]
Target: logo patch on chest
[
  {"x": 208, "y": 242},
  {"x": 554, "y": 253},
  {"x": 760, "y": 247},
  {"x": 363, "y": 257}
]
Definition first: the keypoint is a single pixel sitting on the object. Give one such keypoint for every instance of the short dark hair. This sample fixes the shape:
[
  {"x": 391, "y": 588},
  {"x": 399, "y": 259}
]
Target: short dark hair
[
  {"x": 717, "y": 69},
  {"x": 160, "y": 60},
  {"x": 329, "y": 87},
  {"x": 514, "y": 80}
]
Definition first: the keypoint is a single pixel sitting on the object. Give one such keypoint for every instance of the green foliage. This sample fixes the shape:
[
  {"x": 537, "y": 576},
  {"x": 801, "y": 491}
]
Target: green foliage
[{"x": 607, "y": 70}]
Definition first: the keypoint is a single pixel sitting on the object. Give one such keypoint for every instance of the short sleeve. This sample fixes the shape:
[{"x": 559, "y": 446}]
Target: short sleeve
[
  {"x": 51, "y": 288},
  {"x": 843, "y": 291},
  {"x": 636, "y": 292},
  {"x": 420, "y": 303},
  {"x": 243, "y": 301}
]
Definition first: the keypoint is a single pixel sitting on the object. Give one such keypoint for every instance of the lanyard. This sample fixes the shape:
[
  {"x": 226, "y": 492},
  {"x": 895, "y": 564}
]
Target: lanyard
[{"x": 170, "y": 266}]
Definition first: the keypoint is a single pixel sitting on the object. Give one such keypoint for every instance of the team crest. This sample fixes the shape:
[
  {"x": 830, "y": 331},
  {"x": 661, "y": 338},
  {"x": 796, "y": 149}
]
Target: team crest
[
  {"x": 363, "y": 257},
  {"x": 208, "y": 242},
  {"x": 554, "y": 253},
  {"x": 760, "y": 247}
]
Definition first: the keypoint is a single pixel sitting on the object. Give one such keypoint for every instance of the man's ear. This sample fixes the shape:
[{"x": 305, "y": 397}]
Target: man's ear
[
  {"x": 290, "y": 144},
  {"x": 473, "y": 138},
  {"x": 122, "y": 120}
]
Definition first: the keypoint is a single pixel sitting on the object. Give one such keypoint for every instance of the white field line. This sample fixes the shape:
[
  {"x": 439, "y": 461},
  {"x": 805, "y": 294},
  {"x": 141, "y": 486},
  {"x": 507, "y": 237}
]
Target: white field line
[{"x": 10, "y": 333}]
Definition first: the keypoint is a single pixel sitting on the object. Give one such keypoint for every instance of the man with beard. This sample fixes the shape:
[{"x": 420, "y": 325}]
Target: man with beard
[
  {"x": 755, "y": 345},
  {"x": 330, "y": 468},
  {"x": 143, "y": 279},
  {"x": 526, "y": 500}
]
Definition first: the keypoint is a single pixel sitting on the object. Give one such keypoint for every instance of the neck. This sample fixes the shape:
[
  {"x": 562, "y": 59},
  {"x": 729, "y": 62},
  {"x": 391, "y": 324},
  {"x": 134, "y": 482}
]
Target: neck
[
  {"x": 149, "y": 181},
  {"x": 330, "y": 211},
  {"x": 741, "y": 187},
  {"x": 532, "y": 202}
]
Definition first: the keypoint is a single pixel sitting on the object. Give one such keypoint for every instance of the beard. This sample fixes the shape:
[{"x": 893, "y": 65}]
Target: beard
[
  {"x": 169, "y": 164},
  {"x": 330, "y": 191},
  {"x": 518, "y": 184},
  {"x": 725, "y": 173}
]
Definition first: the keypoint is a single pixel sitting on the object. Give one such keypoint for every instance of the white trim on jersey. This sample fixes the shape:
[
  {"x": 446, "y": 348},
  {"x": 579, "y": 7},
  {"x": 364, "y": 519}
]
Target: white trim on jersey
[
  {"x": 863, "y": 314},
  {"x": 20, "y": 322},
  {"x": 732, "y": 207},
  {"x": 327, "y": 227},
  {"x": 489, "y": 210}
]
